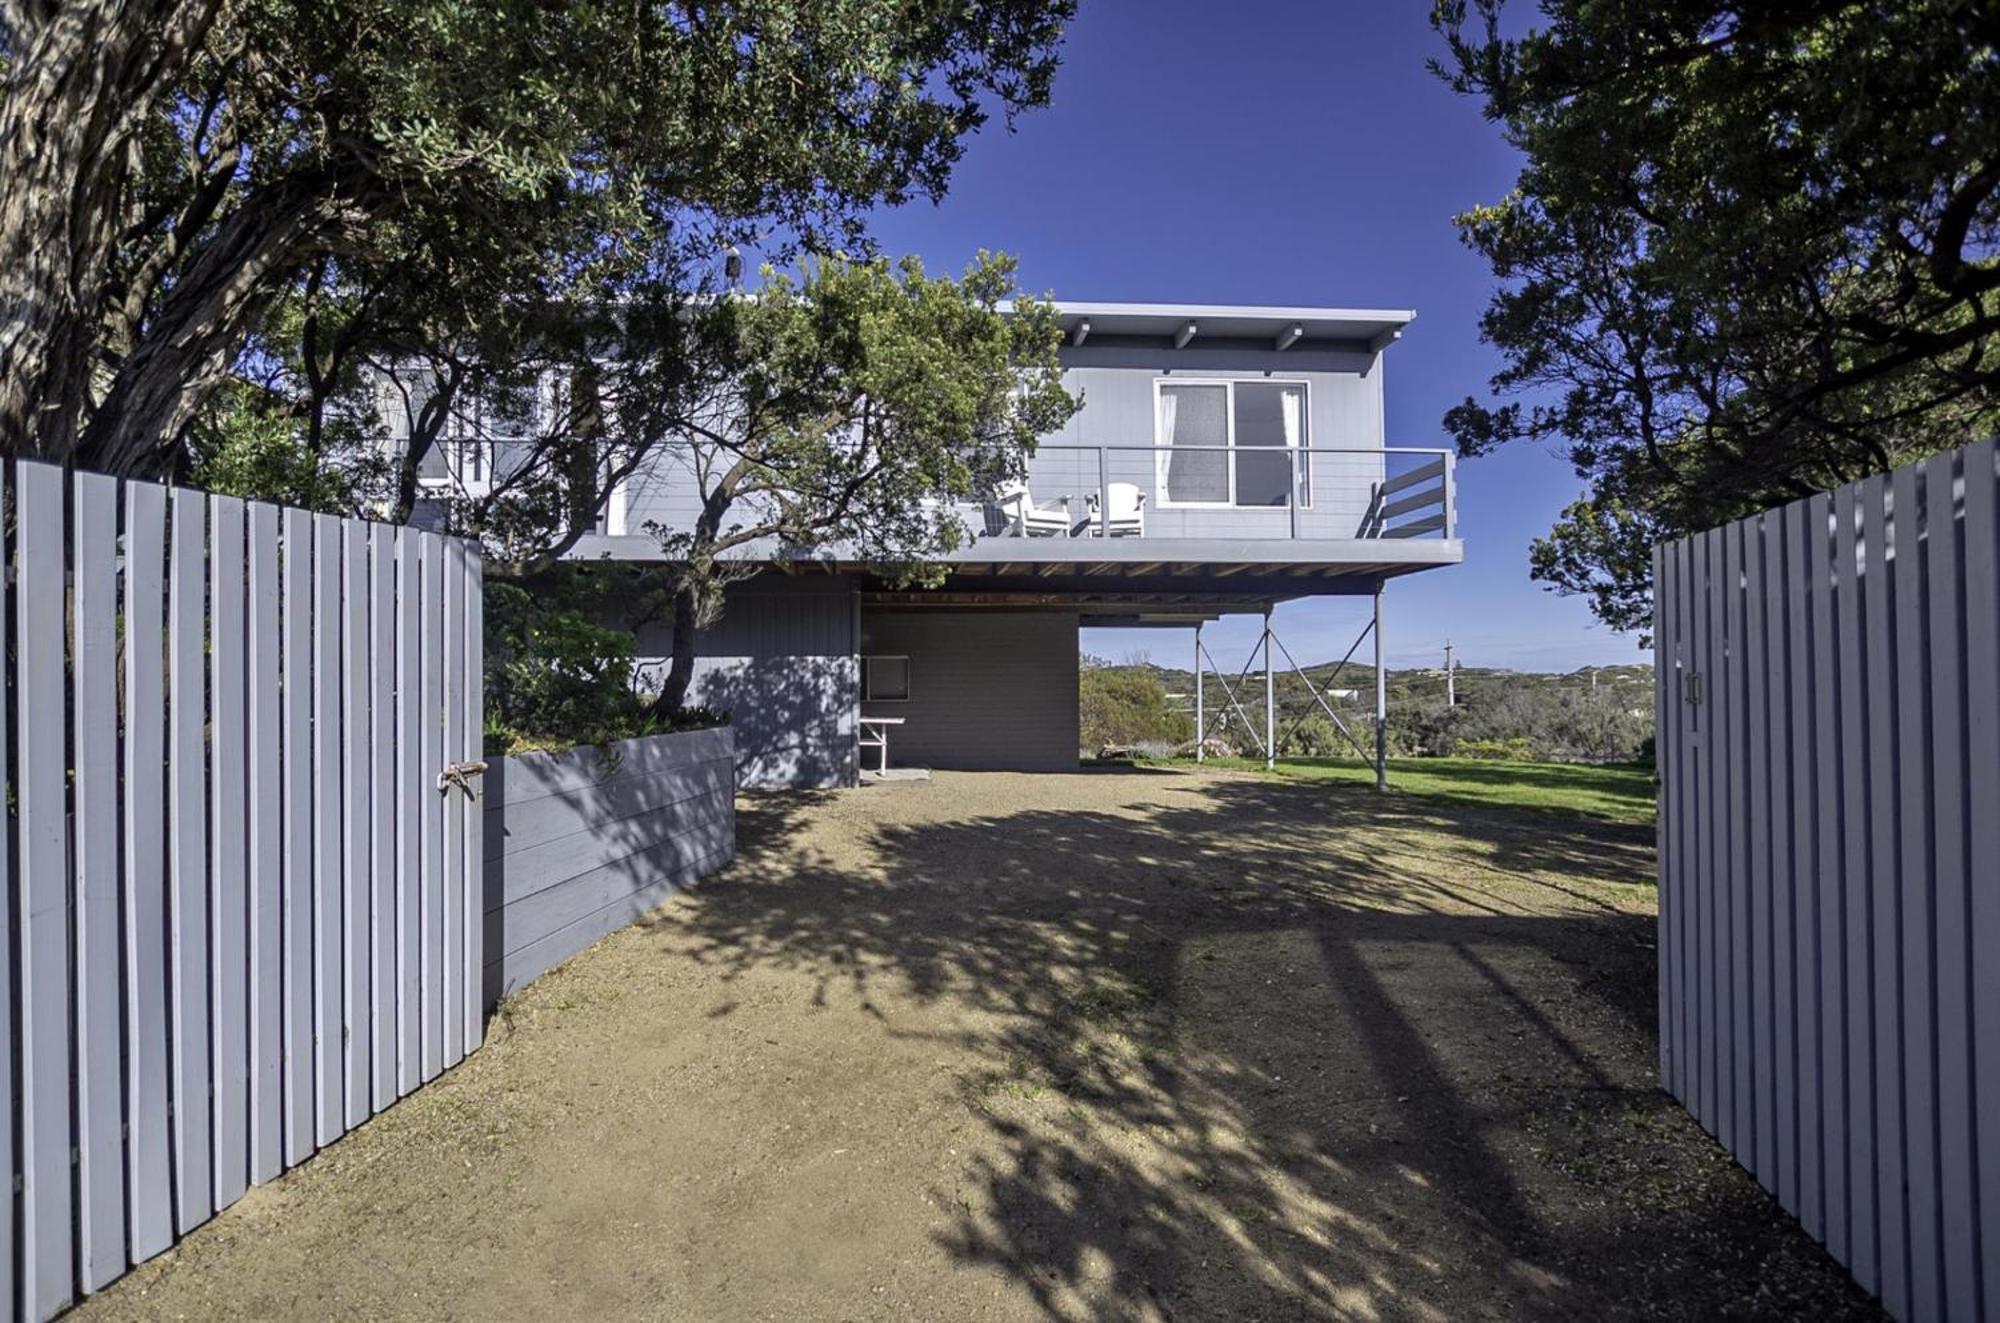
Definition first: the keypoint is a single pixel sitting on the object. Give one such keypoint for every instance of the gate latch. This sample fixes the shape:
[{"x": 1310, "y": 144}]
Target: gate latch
[
  {"x": 1690, "y": 687},
  {"x": 460, "y": 775}
]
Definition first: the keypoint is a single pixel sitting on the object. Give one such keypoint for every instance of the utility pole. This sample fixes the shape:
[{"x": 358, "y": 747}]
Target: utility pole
[{"x": 1450, "y": 681}]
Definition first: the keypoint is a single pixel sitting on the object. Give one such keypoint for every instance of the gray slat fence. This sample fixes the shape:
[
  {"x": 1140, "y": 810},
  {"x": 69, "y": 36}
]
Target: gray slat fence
[
  {"x": 237, "y": 930},
  {"x": 1829, "y": 737}
]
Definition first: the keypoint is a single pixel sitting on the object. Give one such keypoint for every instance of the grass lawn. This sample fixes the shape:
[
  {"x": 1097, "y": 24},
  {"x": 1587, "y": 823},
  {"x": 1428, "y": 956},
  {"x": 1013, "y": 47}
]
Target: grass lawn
[{"x": 1621, "y": 792}]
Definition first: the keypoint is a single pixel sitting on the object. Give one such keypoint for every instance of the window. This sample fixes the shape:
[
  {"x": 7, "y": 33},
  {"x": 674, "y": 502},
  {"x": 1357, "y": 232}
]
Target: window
[
  {"x": 1231, "y": 442},
  {"x": 885, "y": 679}
]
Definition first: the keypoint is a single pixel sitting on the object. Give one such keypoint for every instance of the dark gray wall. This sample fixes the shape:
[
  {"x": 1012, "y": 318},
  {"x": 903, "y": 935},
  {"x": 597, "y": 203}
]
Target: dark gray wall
[
  {"x": 782, "y": 662},
  {"x": 988, "y": 690},
  {"x": 579, "y": 844}
]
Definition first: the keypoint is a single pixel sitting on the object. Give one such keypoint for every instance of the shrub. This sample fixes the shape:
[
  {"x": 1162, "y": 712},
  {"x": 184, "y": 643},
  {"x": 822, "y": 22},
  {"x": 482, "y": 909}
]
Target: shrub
[
  {"x": 1517, "y": 749},
  {"x": 1313, "y": 737},
  {"x": 557, "y": 677}
]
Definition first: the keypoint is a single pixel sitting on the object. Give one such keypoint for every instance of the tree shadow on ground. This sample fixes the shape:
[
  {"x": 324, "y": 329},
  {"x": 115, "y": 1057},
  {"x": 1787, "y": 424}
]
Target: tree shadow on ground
[{"x": 1248, "y": 1049}]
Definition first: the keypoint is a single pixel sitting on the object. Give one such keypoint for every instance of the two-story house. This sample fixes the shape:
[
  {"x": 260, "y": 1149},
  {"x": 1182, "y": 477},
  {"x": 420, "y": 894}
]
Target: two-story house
[{"x": 1225, "y": 459}]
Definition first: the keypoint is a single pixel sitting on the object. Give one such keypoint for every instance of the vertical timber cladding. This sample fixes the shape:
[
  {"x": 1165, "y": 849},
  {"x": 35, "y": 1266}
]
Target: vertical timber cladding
[
  {"x": 1829, "y": 736},
  {"x": 228, "y": 723}
]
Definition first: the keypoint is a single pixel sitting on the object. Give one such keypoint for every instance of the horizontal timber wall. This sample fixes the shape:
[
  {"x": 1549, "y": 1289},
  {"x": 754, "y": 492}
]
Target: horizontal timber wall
[
  {"x": 581, "y": 843},
  {"x": 1829, "y": 734}
]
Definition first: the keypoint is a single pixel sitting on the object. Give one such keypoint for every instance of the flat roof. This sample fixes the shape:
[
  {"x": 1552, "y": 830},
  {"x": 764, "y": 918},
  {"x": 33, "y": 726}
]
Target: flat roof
[{"x": 1232, "y": 321}]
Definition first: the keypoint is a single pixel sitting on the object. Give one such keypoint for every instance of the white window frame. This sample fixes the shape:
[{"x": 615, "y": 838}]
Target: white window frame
[
  {"x": 909, "y": 677},
  {"x": 1163, "y": 448}
]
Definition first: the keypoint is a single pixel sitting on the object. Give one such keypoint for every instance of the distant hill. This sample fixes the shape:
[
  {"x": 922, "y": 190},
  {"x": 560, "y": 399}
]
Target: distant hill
[{"x": 1594, "y": 714}]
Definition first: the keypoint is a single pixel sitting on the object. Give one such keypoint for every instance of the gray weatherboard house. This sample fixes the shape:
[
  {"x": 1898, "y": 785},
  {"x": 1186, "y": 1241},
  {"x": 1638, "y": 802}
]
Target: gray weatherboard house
[{"x": 1240, "y": 454}]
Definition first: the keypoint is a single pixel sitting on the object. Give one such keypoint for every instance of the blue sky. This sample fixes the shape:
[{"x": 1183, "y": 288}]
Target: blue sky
[{"x": 1285, "y": 153}]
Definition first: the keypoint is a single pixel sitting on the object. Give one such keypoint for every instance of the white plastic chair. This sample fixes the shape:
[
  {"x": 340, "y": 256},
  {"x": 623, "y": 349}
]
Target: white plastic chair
[
  {"x": 1128, "y": 512},
  {"x": 1026, "y": 519}
]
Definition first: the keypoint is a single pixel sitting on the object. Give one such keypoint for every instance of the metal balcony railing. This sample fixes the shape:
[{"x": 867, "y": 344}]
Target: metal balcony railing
[{"x": 1227, "y": 492}]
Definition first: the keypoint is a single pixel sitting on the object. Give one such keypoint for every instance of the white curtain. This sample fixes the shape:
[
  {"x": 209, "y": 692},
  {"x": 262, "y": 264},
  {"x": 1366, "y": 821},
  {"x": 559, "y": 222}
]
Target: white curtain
[
  {"x": 1292, "y": 403},
  {"x": 1200, "y": 420}
]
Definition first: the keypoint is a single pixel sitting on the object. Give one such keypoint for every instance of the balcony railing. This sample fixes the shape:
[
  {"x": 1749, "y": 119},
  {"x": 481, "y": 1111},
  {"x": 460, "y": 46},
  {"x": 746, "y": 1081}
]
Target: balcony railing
[{"x": 1227, "y": 492}]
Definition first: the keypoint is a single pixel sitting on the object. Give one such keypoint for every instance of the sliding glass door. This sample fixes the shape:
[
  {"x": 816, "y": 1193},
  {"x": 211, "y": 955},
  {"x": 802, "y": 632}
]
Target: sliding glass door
[{"x": 1231, "y": 443}]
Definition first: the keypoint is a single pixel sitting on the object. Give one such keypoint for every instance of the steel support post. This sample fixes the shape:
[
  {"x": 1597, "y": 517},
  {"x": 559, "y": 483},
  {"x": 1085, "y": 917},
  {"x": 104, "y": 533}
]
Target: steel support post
[
  {"x": 1381, "y": 702},
  {"x": 1200, "y": 709},
  {"x": 1270, "y": 699}
]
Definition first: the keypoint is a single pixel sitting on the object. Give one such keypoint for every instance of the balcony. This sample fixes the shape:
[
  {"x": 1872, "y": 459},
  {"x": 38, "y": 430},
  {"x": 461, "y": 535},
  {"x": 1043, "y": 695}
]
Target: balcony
[{"x": 1187, "y": 493}]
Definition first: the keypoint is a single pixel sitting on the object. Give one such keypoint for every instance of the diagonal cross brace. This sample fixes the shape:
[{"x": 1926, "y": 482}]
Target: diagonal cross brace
[
  {"x": 1333, "y": 716},
  {"x": 1230, "y": 694}
]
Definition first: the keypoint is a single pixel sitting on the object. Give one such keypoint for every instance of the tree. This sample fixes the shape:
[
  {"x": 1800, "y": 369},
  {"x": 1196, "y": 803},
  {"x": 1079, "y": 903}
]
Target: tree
[
  {"x": 173, "y": 174},
  {"x": 851, "y": 407},
  {"x": 1123, "y": 706},
  {"x": 1750, "y": 256}
]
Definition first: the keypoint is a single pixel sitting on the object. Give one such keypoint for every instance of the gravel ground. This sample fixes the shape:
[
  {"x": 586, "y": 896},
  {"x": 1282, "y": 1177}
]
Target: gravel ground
[{"x": 1139, "y": 1045}]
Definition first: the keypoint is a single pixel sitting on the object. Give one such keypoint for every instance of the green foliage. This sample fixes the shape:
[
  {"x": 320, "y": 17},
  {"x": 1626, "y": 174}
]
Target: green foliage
[
  {"x": 1126, "y": 706},
  {"x": 853, "y": 406},
  {"x": 1313, "y": 737},
  {"x": 557, "y": 675},
  {"x": 1515, "y": 749},
  {"x": 423, "y": 171},
  {"x": 254, "y": 453},
  {"x": 1612, "y": 793},
  {"x": 1751, "y": 255},
  {"x": 1598, "y": 715}
]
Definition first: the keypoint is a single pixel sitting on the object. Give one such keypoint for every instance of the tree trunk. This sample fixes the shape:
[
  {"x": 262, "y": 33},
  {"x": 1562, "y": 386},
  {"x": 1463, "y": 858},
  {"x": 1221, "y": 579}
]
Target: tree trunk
[
  {"x": 186, "y": 345},
  {"x": 680, "y": 670},
  {"x": 82, "y": 78}
]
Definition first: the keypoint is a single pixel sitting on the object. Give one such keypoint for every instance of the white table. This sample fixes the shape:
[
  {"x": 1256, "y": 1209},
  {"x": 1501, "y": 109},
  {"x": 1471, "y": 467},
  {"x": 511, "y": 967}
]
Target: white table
[{"x": 879, "y": 728}]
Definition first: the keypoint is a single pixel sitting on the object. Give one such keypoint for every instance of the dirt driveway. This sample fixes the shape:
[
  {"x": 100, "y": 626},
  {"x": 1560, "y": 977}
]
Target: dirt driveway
[{"x": 1151, "y": 1045}]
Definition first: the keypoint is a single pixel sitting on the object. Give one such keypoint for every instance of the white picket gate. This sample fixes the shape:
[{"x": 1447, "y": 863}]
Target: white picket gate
[
  {"x": 1829, "y": 733},
  {"x": 244, "y": 897}
]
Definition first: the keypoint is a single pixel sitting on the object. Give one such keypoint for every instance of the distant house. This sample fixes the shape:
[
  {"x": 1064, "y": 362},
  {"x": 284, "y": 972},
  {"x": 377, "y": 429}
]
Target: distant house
[{"x": 1239, "y": 455}]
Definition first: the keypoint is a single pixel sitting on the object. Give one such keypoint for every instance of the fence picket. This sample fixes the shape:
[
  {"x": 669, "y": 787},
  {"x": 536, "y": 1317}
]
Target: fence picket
[
  {"x": 1777, "y": 738},
  {"x": 430, "y": 744},
  {"x": 1913, "y": 778},
  {"x": 381, "y": 798},
  {"x": 1757, "y": 899},
  {"x": 99, "y": 1017},
  {"x": 356, "y": 886},
  {"x": 149, "y": 1175},
  {"x": 1805, "y": 835},
  {"x": 264, "y": 820},
  {"x": 1847, "y": 777},
  {"x": 1959, "y": 1212},
  {"x": 229, "y": 916},
  {"x": 409, "y": 812},
  {"x": 296, "y": 852},
  {"x": 41, "y": 800},
  {"x": 1884, "y": 912},
  {"x": 187, "y": 833},
  {"x": 475, "y": 828},
  {"x": 454, "y": 808},
  {"x": 1981, "y": 552},
  {"x": 329, "y": 1113}
]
